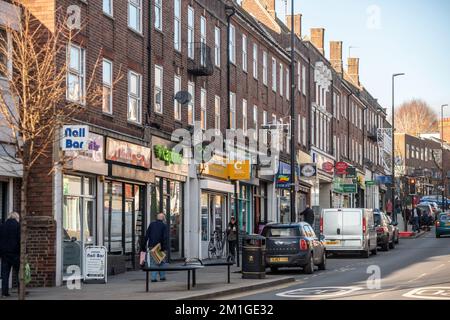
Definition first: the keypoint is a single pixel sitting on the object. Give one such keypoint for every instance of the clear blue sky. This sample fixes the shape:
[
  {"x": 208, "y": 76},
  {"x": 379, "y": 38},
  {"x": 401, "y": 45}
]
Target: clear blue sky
[{"x": 410, "y": 36}]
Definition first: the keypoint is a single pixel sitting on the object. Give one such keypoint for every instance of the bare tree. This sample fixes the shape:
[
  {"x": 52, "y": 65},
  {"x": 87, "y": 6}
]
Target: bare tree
[
  {"x": 33, "y": 104},
  {"x": 415, "y": 117}
]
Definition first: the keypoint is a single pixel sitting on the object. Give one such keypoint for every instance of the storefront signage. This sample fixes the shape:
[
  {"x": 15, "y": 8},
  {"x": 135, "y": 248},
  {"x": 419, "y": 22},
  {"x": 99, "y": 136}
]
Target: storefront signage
[
  {"x": 328, "y": 167},
  {"x": 95, "y": 260},
  {"x": 74, "y": 138},
  {"x": 370, "y": 183},
  {"x": 349, "y": 188},
  {"x": 351, "y": 172},
  {"x": 239, "y": 170},
  {"x": 94, "y": 152},
  {"x": 308, "y": 170},
  {"x": 215, "y": 168},
  {"x": 341, "y": 168},
  {"x": 283, "y": 177},
  {"x": 128, "y": 153},
  {"x": 167, "y": 155},
  {"x": 384, "y": 179}
]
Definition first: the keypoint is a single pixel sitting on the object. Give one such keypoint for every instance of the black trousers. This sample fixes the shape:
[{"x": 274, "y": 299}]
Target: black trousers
[
  {"x": 8, "y": 262},
  {"x": 232, "y": 246}
]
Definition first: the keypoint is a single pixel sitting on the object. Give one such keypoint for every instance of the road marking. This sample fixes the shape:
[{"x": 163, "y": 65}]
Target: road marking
[
  {"x": 438, "y": 267},
  {"x": 433, "y": 293},
  {"x": 419, "y": 277},
  {"x": 318, "y": 292},
  {"x": 378, "y": 294}
]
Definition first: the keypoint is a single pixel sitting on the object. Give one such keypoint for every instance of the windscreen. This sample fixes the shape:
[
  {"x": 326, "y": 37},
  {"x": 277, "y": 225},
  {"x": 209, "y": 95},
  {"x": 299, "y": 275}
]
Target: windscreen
[
  {"x": 377, "y": 219},
  {"x": 445, "y": 217},
  {"x": 274, "y": 232}
]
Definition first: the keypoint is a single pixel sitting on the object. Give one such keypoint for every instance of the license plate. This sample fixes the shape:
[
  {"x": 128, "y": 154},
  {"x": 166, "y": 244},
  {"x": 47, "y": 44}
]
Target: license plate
[
  {"x": 332, "y": 242},
  {"x": 279, "y": 259},
  {"x": 447, "y": 224}
]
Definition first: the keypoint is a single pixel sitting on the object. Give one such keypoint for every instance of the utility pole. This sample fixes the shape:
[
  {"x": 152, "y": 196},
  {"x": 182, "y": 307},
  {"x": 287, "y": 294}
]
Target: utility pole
[
  {"x": 444, "y": 186},
  {"x": 292, "y": 131}
]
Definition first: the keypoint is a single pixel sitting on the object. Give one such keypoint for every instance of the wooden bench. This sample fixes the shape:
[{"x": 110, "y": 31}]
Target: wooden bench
[{"x": 168, "y": 267}]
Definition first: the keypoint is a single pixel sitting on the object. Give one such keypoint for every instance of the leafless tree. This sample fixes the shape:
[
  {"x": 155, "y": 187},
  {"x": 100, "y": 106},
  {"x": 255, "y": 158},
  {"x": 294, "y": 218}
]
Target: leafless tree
[
  {"x": 415, "y": 117},
  {"x": 33, "y": 104}
]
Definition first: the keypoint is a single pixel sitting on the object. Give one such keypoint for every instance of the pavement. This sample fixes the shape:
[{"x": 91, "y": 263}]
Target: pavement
[
  {"x": 416, "y": 269},
  {"x": 211, "y": 282}
]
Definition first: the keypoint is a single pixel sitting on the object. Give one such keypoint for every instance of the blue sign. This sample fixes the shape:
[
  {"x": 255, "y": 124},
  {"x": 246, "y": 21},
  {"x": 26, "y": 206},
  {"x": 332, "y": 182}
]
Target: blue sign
[
  {"x": 384, "y": 180},
  {"x": 75, "y": 138},
  {"x": 283, "y": 177}
]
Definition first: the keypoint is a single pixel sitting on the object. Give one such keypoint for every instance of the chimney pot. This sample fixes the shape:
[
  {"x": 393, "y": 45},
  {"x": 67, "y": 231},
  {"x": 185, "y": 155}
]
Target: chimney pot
[
  {"x": 297, "y": 24},
  {"x": 317, "y": 39},
  {"x": 353, "y": 70},
  {"x": 336, "y": 56}
]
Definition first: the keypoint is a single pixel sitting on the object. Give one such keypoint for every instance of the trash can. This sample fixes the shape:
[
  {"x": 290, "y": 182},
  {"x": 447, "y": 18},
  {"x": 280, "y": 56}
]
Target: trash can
[{"x": 253, "y": 257}]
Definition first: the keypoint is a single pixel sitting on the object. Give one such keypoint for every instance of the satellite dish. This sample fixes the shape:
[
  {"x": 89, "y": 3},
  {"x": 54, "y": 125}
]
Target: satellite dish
[{"x": 183, "y": 97}]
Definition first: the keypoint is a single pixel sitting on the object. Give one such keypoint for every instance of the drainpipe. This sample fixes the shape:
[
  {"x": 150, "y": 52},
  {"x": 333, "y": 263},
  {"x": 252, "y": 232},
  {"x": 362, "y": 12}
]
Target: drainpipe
[{"x": 149, "y": 68}]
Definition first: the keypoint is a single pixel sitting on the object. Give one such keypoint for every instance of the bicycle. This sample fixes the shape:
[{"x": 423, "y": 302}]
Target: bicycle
[{"x": 216, "y": 245}]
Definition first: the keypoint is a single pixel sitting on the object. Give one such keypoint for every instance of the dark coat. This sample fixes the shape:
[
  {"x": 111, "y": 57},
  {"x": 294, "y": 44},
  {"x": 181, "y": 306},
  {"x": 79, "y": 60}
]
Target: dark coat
[
  {"x": 232, "y": 231},
  {"x": 157, "y": 232},
  {"x": 10, "y": 238},
  {"x": 308, "y": 215}
]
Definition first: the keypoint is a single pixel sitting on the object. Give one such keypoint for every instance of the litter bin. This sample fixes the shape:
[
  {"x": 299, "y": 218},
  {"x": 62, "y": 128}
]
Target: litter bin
[{"x": 253, "y": 257}]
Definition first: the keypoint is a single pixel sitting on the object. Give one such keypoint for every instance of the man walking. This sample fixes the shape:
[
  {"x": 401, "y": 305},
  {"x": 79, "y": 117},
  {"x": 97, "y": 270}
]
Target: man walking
[
  {"x": 157, "y": 233},
  {"x": 9, "y": 249},
  {"x": 415, "y": 219},
  {"x": 232, "y": 231},
  {"x": 308, "y": 216}
]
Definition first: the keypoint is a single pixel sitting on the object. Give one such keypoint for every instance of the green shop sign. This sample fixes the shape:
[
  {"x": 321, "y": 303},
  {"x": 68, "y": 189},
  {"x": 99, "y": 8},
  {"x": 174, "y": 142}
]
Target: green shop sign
[
  {"x": 349, "y": 188},
  {"x": 370, "y": 183},
  {"x": 168, "y": 156}
]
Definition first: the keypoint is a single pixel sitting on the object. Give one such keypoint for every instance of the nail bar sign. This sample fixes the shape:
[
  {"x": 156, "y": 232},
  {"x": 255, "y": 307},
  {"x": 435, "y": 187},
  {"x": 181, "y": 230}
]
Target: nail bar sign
[{"x": 75, "y": 138}]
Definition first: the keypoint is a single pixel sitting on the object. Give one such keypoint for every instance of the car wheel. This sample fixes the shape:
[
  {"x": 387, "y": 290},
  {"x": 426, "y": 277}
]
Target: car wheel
[
  {"x": 323, "y": 264},
  {"x": 366, "y": 254},
  {"x": 392, "y": 244},
  {"x": 438, "y": 235},
  {"x": 274, "y": 269},
  {"x": 375, "y": 251},
  {"x": 397, "y": 241},
  {"x": 309, "y": 268},
  {"x": 385, "y": 246}
]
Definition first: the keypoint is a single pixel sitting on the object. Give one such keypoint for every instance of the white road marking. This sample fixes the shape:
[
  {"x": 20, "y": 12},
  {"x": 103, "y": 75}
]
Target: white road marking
[
  {"x": 438, "y": 267},
  {"x": 419, "y": 277},
  {"x": 432, "y": 293},
  {"x": 318, "y": 292}
]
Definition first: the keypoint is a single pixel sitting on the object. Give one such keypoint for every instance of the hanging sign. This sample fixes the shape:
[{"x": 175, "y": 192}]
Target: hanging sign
[
  {"x": 75, "y": 138},
  {"x": 239, "y": 170},
  {"x": 95, "y": 264},
  {"x": 283, "y": 177},
  {"x": 308, "y": 170},
  {"x": 341, "y": 168},
  {"x": 328, "y": 167}
]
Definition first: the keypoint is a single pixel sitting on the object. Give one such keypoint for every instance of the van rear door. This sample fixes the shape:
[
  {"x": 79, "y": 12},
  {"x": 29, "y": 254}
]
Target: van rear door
[
  {"x": 352, "y": 228},
  {"x": 332, "y": 227}
]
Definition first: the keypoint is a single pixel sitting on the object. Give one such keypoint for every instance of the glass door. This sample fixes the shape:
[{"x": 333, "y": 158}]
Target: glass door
[{"x": 176, "y": 220}]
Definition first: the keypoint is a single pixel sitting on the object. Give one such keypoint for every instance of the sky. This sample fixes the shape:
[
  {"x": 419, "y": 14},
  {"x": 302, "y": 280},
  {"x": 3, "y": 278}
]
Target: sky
[{"x": 389, "y": 36}]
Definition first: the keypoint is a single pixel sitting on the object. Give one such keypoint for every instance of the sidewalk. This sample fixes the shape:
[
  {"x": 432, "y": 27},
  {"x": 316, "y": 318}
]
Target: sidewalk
[{"x": 211, "y": 282}]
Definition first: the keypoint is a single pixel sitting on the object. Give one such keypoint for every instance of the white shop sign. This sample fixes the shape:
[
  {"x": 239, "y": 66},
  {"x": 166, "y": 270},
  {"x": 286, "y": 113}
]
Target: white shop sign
[
  {"x": 75, "y": 138},
  {"x": 95, "y": 264}
]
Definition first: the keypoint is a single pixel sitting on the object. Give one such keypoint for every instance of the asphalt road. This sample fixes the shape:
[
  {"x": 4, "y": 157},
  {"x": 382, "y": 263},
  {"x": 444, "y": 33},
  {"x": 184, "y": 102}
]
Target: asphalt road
[{"x": 415, "y": 269}]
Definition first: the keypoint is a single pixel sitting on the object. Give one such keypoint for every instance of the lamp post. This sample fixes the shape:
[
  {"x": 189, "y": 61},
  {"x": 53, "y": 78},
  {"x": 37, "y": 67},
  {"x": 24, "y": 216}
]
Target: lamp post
[
  {"x": 394, "y": 215},
  {"x": 444, "y": 187},
  {"x": 292, "y": 141}
]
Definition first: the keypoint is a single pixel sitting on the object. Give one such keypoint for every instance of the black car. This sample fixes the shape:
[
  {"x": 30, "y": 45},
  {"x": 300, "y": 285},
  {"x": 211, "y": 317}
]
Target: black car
[
  {"x": 387, "y": 232},
  {"x": 293, "y": 245}
]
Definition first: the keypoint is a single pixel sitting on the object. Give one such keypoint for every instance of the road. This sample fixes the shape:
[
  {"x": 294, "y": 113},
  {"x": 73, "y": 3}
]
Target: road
[{"x": 405, "y": 273}]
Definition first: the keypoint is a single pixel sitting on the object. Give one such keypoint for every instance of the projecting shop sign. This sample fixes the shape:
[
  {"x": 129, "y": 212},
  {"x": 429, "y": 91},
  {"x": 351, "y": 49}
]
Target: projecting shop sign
[{"x": 75, "y": 138}]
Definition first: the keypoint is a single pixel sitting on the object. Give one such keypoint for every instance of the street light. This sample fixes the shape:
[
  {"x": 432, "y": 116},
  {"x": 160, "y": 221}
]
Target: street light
[
  {"x": 292, "y": 141},
  {"x": 394, "y": 215},
  {"x": 444, "y": 196}
]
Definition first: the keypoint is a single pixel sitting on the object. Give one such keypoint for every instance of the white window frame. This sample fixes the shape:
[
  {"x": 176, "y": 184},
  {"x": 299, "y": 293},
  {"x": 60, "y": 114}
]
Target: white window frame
[
  {"x": 265, "y": 71},
  {"x": 80, "y": 74},
  {"x": 137, "y": 96},
  {"x": 281, "y": 79},
  {"x": 244, "y": 53},
  {"x": 203, "y": 105},
  {"x": 158, "y": 15},
  {"x": 177, "y": 25},
  {"x": 110, "y": 5},
  {"x": 303, "y": 80},
  {"x": 232, "y": 44},
  {"x": 176, "y": 104},
  {"x": 217, "y": 114},
  {"x": 264, "y": 123},
  {"x": 255, "y": 122},
  {"x": 304, "y": 131},
  {"x": 138, "y": 5},
  {"x": 232, "y": 110},
  {"x": 191, "y": 32},
  {"x": 159, "y": 85},
  {"x": 217, "y": 47},
  {"x": 274, "y": 74},
  {"x": 255, "y": 60},
  {"x": 244, "y": 117},
  {"x": 288, "y": 91},
  {"x": 203, "y": 26},
  {"x": 191, "y": 105},
  {"x": 108, "y": 85}
]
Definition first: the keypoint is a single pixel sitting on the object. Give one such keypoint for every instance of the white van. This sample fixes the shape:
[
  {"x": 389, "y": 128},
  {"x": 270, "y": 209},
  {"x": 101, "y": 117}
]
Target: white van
[{"x": 349, "y": 230}]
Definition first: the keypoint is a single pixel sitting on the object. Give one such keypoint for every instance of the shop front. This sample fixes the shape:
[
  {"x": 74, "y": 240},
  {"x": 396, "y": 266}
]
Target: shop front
[
  {"x": 167, "y": 193},
  {"x": 307, "y": 173},
  {"x": 216, "y": 207},
  {"x": 325, "y": 166},
  {"x": 125, "y": 202},
  {"x": 283, "y": 192}
]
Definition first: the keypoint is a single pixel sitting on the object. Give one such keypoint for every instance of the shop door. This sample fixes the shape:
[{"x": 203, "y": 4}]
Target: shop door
[
  {"x": 214, "y": 220},
  {"x": 175, "y": 220}
]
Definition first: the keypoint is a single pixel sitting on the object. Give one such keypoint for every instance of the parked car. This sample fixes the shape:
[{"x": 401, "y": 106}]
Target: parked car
[
  {"x": 349, "y": 230},
  {"x": 443, "y": 225},
  {"x": 434, "y": 207},
  {"x": 427, "y": 218},
  {"x": 395, "y": 230},
  {"x": 293, "y": 245},
  {"x": 385, "y": 235}
]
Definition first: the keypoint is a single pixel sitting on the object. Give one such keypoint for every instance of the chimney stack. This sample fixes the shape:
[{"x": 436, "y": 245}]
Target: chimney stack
[
  {"x": 297, "y": 24},
  {"x": 353, "y": 70},
  {"x": 270, "y": 7},
  {"x": 317, "y": 38},
  {"x": 336, "y": 56}
]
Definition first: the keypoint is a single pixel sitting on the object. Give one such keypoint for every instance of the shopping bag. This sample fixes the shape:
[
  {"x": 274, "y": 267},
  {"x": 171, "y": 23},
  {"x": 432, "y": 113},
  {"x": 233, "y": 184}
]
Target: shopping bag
[
  {"x": 142, "y": 257},
  {"x": 157, "y": 255}
]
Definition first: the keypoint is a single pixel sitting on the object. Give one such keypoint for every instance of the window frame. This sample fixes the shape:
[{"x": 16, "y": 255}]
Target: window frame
[
  {"x": 176, "y": 104},
  {"x": 203, "y": 107},
  {"x": 191, "y": 104},
  {"x": 108, "y": 85},
  {"x": 82, "y": 76},
  {"x": 109, "y": 13},
  {"x": 255, "y": 61},
  {"x": 139, "y": 8},
  {"x": 232, "y": 44},
  {"x": 158, "y": 88},
  {"x": 177, "y": 25},
  {"x": 191, "y": 32},
  {"x": 138, "y": 96},
  {"x": 217, "y": 46},
  {"x": 244, "y": 53}
]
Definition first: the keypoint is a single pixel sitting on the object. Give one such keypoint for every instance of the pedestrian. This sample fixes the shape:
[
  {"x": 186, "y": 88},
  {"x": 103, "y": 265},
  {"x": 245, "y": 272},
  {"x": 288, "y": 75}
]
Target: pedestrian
[
  {"x": 232, "y": 231},
  {"x": 157, "y": 233},
  {"x": 308, "y": 215},
  {"x": 407, "y": 217},
  {"x": 9, "y": 249},
  {"x": 415, "y": 219}
]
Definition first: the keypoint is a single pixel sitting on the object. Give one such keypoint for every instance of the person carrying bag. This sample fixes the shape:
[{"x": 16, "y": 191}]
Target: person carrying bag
[{"x": 156, "y": 240}]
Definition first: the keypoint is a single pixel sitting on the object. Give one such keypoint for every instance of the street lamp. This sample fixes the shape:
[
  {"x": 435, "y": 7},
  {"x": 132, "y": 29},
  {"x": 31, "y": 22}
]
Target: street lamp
[
  {"x": 444, "y": 205},
  {"x": 292, "y": 140},
  {"x": 394, "y": 215}
]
